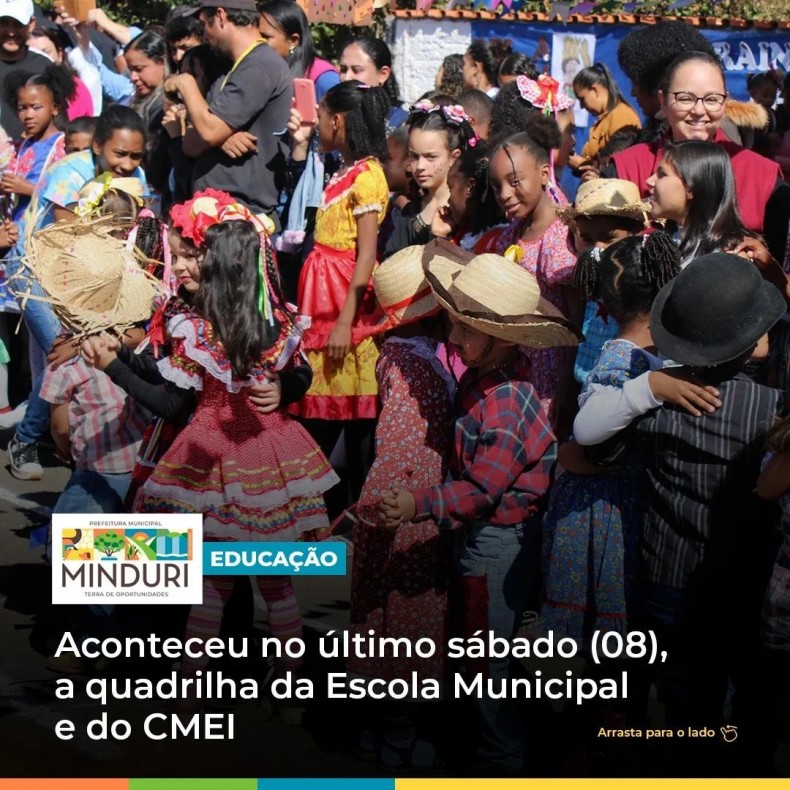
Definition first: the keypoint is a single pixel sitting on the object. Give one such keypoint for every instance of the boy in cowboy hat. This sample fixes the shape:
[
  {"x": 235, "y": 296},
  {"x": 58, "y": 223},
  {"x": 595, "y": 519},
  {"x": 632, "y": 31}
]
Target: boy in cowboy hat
[
  {"x": 707, "y": 542},
  {"x": 605, "y": 211},
  {"x": 503, "y": 455}
]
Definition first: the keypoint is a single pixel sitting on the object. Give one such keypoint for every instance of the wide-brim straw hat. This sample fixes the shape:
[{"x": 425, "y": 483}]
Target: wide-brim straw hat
[
  {"x": 606, "y": 197},
  {"x": 497, "y": 297},
  {"x": 401, "y": 287},
  {"x": 88, "y": 276}
]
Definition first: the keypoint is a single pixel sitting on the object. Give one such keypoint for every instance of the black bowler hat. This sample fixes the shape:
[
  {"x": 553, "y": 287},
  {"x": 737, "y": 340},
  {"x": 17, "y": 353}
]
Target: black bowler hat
[
  {"x": 714, "y": 311},
  {"x": 230, "y": 5}
]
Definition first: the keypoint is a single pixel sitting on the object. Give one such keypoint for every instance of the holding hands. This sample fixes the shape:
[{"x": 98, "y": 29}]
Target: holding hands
[
  {"x": 397, "y": 507},
  {"x": 100, "y": 350}
]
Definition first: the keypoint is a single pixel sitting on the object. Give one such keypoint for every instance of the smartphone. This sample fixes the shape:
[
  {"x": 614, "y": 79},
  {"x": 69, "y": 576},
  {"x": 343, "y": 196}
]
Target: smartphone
[{"x": 304, "y": 99}]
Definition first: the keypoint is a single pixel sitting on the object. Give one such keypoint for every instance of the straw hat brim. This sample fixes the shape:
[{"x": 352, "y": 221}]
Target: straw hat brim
[
  {"x": 546, "y": 328},
  {"x": 629, "y": 210},
  {"x": 137, "y": 289}
]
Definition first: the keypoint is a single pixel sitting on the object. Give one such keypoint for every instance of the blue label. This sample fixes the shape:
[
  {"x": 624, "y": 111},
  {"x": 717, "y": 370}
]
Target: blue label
[{"x": 274, "y": 559}]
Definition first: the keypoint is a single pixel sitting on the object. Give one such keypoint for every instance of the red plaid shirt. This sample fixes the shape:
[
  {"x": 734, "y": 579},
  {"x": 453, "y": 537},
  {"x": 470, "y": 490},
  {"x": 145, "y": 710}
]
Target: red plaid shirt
[
  {"x": 106, "y": 426},
  {"x": 504, "y": 453}
]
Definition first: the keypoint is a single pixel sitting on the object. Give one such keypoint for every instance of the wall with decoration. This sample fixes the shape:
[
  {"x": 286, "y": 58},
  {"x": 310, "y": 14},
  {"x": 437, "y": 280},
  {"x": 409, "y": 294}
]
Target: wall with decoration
[{"x": 421, "y": 41}]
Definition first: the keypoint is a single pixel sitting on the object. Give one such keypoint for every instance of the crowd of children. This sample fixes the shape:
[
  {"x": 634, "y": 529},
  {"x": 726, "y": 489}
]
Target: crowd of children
[{"x": 527, "y": 405}]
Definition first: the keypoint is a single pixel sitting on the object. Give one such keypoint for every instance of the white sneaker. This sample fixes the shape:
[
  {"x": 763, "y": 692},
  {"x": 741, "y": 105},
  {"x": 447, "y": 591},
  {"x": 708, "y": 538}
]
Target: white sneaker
[{"x": 12, "y": 418}]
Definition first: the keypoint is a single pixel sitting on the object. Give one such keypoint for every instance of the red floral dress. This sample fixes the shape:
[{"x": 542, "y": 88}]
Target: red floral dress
[{"x": 399, "y": 586}]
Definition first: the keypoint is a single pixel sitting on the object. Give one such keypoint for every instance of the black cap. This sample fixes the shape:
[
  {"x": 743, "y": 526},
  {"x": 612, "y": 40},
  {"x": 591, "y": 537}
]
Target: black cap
[{"x": 230, "y": 5}]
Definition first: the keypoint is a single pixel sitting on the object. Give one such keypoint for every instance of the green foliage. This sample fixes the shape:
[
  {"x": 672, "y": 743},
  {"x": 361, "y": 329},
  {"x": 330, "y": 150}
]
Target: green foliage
[{"x": 109, "y": 542}]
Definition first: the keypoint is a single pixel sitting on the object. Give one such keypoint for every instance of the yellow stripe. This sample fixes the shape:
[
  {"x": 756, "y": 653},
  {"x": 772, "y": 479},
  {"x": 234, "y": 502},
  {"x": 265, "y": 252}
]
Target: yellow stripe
[{"x": 591, "y": 784}]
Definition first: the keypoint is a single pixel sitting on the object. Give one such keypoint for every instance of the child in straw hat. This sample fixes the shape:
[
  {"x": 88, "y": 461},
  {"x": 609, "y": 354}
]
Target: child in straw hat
[
  {"x": 605, "y": 211},
  {"x": 501, "y": 465},
  {"x": 400, "y": 582}
]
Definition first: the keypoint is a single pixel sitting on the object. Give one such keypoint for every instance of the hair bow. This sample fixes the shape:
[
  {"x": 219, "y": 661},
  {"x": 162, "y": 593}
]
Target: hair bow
[{"x": 544, "y": 93}]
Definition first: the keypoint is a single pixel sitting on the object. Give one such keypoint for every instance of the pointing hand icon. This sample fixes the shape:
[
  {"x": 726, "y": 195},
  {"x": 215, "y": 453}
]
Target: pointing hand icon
[{"x": 729, "y": 733}]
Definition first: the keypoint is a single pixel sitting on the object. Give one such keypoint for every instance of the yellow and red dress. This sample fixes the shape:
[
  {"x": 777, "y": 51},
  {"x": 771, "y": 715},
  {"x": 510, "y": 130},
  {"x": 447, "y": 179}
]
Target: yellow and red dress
[{"x": 344, "y": 390}]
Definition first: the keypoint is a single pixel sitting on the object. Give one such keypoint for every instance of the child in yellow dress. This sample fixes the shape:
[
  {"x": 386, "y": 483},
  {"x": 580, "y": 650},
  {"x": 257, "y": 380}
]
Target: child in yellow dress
[{"x": 335, "y": 287}]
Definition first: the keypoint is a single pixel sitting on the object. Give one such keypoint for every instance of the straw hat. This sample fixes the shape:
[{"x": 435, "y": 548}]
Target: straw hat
[
  {"x": 92, "y": 193},
  {"x": 611, "y": 197},
  {"x": 496, "y": 296},
  {"x": 92, "y": 282},
  {"x": 401, "y": 287}
]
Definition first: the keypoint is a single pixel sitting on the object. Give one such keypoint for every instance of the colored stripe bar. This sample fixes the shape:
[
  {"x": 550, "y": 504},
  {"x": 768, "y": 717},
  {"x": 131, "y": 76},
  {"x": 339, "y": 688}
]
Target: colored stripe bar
[
  {"x": 193, "y": 784},
  {"x": 326, "y": 784},
  {"x": 64, "y": 784}
]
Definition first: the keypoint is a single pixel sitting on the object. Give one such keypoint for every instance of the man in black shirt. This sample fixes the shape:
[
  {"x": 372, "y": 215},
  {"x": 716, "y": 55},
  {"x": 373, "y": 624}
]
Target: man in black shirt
[
  {"x": 17, "y": 19},
  {"x": 253, "y": 97}
]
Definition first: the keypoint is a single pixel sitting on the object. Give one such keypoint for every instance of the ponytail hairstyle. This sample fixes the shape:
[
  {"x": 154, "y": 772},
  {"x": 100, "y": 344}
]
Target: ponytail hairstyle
[
  {"x": 381, "y": 56},
  {"x": 228, "y": 293},
  {"x": 288, "y": 17},
  {"x": 489, "y": 53},
  {"x": 510, "y": 112},
  {"x": 149, "y": 237},
  {"x": 515, "y": 65},
  {"x": 472, "y": 166},
  {"x": 690, "y": 57},
  {"x": 713, "y": 221},
  {"x": 54, "y": 78},
  {"x": 365, "y": 110},
  {"x": 628, "y": 275},
  {"x": 428, "y": 116},
  {"x": 598, "y": 74}
]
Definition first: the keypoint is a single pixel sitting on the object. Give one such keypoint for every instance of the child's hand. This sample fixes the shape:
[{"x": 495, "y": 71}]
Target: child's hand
[
  {"x": 442, "y": 223},
  {"x": 339, "y": 342},
  {"x": 240, "y": 144},
  {"x": 16, "y": 184},
  {"x": 266, "y": 397},
  {"x": 755, "y": 251},
  {"x": 9, "y": 234},
  {"x": 397, "y": 506},
  {"x": 63, "y": 349},
  {"x": 100, "y": 350},
  {"x": 676, "y": 386},
  {"x": 300, "y": 131}
]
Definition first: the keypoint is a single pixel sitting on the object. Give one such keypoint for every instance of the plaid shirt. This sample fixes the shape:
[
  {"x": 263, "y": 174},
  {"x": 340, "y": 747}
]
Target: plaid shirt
[
  {"x": 105, "y": 425},
  {"x": 596, "y": 329},
  {"x": 503, "y": 456}
]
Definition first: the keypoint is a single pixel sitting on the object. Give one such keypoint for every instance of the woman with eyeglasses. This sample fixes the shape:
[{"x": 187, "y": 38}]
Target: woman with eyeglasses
[{"x": 692, "y": 97}]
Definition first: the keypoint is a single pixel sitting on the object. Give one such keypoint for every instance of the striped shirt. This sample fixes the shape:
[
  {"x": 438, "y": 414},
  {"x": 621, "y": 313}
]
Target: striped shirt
[
  {"x": 105, "y": 425},
  {"x": 702, "y": 471},
  {"x": 503, "y": 456}
]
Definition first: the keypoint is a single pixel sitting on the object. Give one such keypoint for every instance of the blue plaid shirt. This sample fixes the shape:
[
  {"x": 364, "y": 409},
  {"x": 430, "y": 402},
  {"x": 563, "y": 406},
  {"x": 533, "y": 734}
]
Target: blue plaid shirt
[{"x": 597, "y": 330}]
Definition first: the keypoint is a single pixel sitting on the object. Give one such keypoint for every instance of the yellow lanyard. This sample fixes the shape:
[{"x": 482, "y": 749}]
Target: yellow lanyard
[{"x": 239, "y": 60}]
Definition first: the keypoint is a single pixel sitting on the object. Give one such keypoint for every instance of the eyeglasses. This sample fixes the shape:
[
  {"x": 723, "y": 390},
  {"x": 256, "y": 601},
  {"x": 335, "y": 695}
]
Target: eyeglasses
[{"x": 686, "y": 101}]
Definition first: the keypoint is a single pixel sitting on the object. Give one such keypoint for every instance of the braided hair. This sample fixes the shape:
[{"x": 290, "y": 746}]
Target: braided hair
[
  {"x": 365, "y": 110},
  {"x": 629, "y": 274},
  {"x": 472, "y": 166},
  {"x": 458, "y": 134}
]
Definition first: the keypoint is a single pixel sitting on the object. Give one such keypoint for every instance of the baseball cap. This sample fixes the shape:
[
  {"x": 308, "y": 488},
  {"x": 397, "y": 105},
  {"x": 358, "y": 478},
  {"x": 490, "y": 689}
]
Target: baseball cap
[
  {"x": 230, "y": 5},
  {"x": 21, "y": 10}
]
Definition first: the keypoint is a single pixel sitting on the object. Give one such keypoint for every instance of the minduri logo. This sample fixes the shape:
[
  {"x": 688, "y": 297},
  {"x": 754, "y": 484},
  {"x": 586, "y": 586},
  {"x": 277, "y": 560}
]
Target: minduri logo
[{"x": 127, "y": 558}]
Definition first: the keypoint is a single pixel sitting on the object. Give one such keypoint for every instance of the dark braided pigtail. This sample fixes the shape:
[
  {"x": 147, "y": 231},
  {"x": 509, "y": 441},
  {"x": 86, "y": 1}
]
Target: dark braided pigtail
[
  {"x": 149, "y": 239},
  {"x": 660, "y": 259},
  {"x": 633, "y": 271},
  {"x": 585, "y": 274}
]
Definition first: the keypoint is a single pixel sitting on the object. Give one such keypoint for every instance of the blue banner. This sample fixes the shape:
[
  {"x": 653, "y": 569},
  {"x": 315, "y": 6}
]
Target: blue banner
[{"x": 274, "y": 559}]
